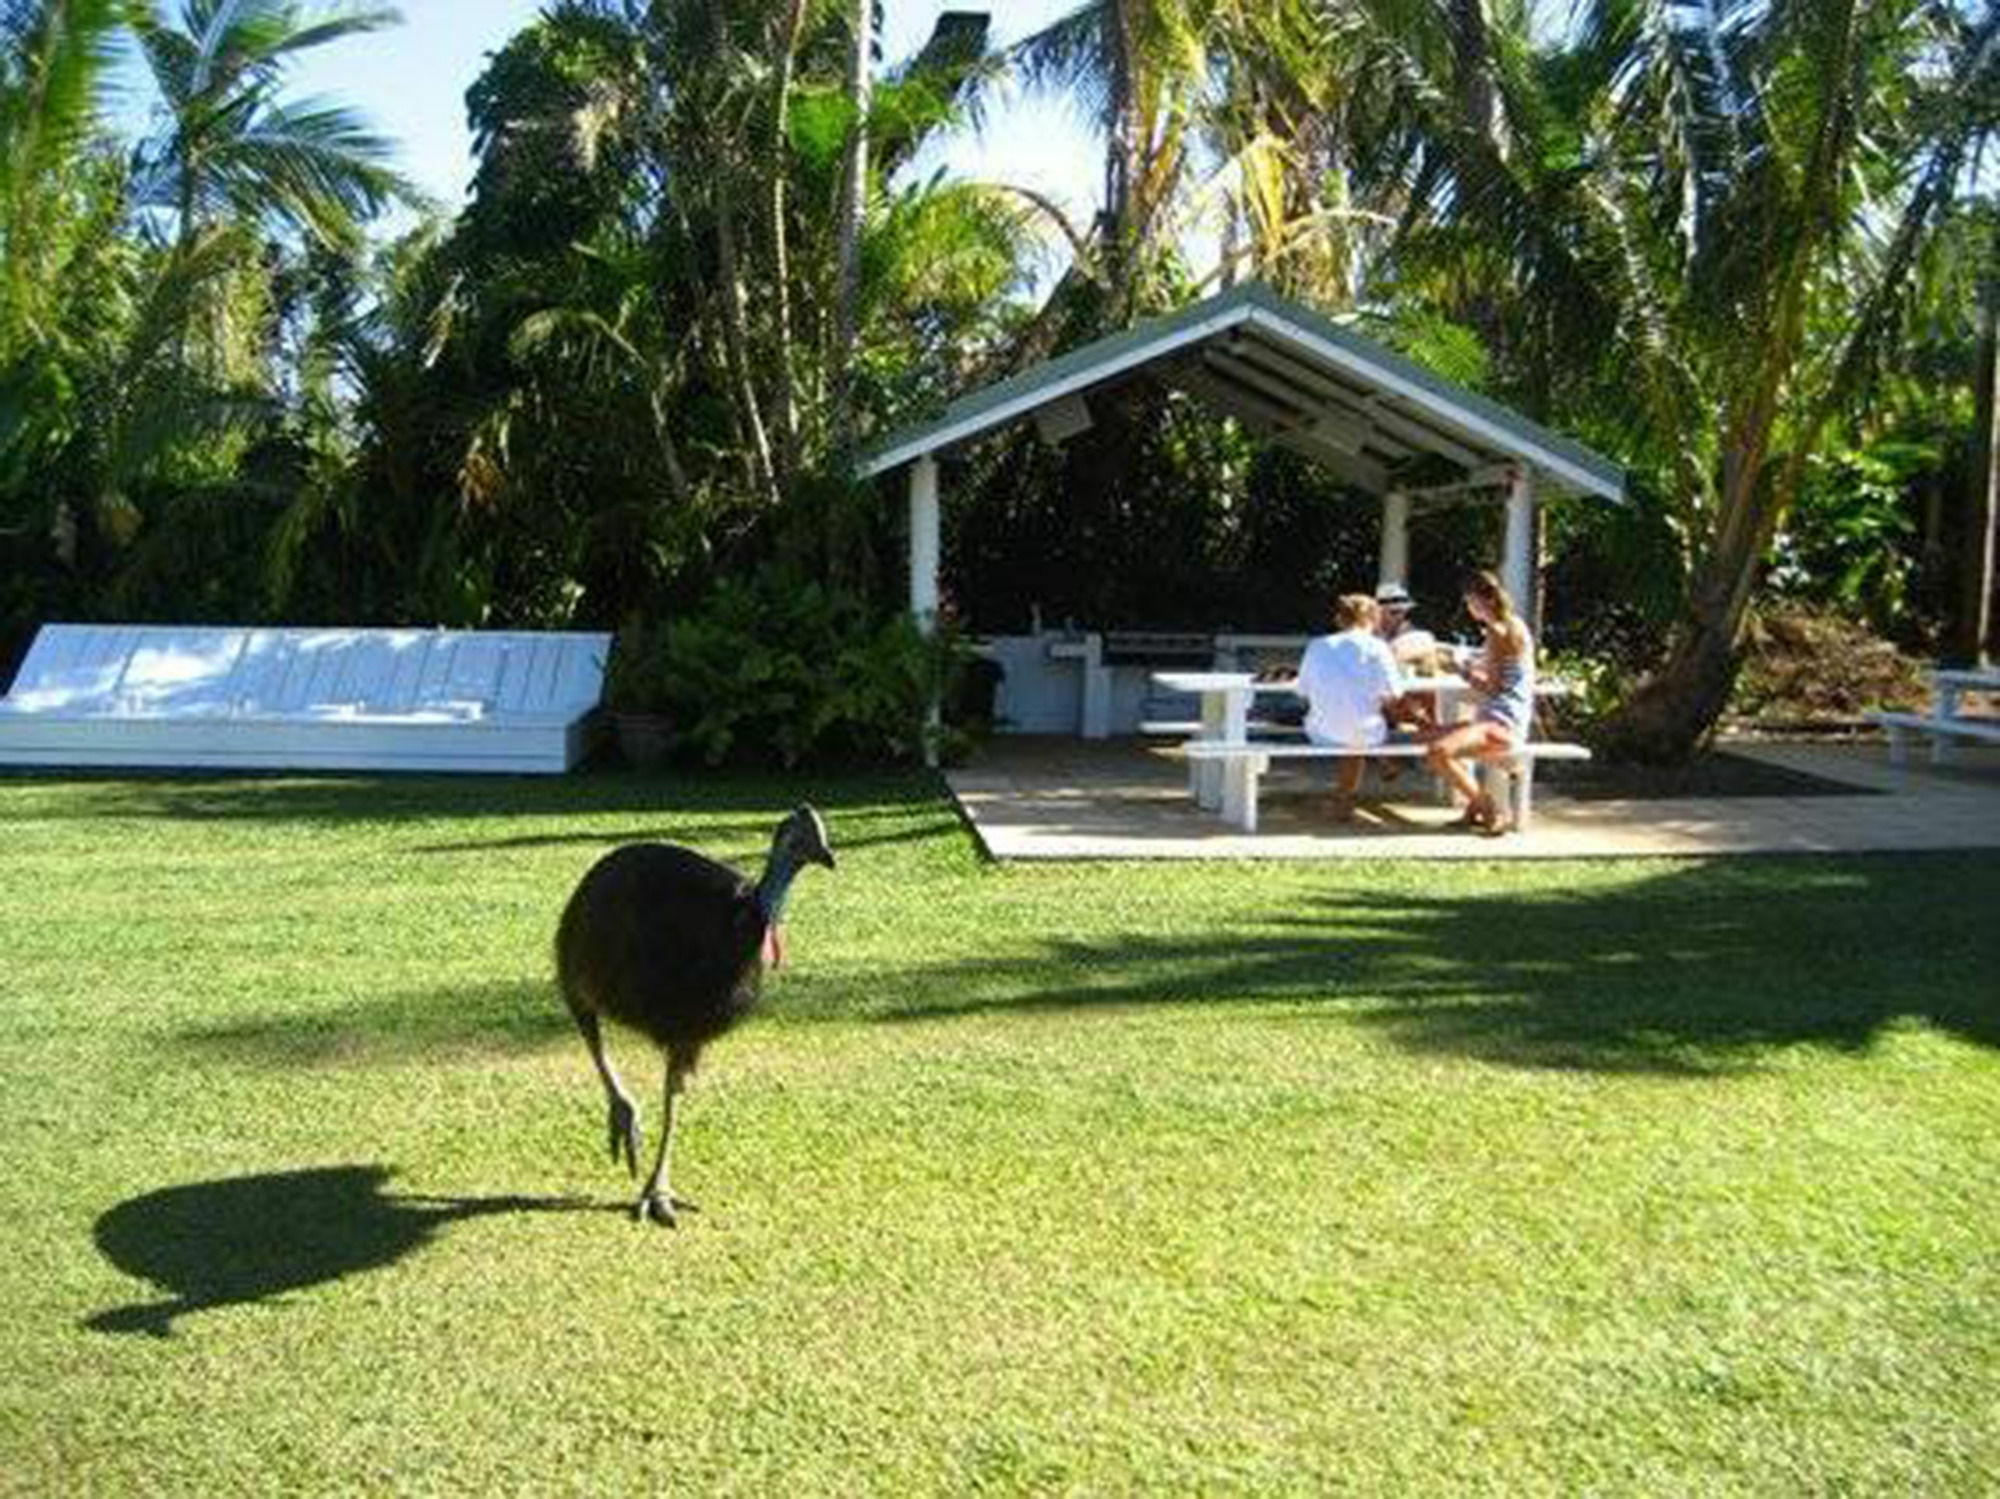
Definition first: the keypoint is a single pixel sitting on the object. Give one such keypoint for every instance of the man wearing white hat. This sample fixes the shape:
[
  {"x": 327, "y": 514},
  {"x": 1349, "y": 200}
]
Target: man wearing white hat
[{"x": 1412, "y": 648}]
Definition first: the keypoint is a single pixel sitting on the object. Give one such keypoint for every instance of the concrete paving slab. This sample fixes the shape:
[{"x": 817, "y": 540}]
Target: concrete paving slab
[{"x": 1036, "y": 798}]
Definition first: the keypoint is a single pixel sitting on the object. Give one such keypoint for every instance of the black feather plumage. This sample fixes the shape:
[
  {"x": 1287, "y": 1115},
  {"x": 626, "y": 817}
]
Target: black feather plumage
[
  {"x": 666, "y": 941},
  {"x": 672, "y": 944}
]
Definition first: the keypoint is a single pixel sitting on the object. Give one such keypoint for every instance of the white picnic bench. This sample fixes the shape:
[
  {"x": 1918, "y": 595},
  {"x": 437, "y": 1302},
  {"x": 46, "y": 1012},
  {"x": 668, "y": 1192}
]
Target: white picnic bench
[
  {"x": 1243, "y": 766},
  {"x": 1944, "y": 725},
  {"x": 1226, "y": 766}
]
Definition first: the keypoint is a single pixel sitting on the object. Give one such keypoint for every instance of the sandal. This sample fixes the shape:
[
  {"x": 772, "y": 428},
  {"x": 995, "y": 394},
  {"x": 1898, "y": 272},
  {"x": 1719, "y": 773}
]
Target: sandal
[{"x": 1480, "y": 816}]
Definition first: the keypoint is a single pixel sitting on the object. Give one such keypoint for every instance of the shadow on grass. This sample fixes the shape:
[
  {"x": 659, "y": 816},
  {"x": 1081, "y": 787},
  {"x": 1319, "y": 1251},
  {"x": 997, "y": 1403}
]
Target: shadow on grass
[
  {"x": 1700, "y": 970},
  {"x": 507, "y": 1018},
  {"x": 257, "y": 1238},
  {"x": 841, "y": 832},
  {"x": 1694, "y": 970},
  {"x": 334, "y": 800}
]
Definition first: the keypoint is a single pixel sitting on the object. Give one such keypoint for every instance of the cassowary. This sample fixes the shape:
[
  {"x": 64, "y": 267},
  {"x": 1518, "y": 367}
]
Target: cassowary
[{"x": 675, "y": 945}]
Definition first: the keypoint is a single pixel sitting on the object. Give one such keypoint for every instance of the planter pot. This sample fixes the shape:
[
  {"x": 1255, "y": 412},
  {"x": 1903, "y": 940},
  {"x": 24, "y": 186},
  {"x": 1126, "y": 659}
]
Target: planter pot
[{"x": 642, "y": 738}]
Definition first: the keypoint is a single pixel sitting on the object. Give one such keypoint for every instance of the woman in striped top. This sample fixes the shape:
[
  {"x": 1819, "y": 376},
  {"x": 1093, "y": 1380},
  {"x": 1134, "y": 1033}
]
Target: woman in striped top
[{"x": 1505, "y": 681}]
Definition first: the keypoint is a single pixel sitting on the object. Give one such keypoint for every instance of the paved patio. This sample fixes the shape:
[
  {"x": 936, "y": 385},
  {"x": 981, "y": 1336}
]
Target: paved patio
[{"x": 1037, "y": 798}]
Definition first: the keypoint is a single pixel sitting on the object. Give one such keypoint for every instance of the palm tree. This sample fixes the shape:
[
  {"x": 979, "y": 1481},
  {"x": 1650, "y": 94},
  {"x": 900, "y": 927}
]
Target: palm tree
[
  {"x": 53, "y": 57},
  {"x": 59, "y": 257},
  {"x": 1723, "y": 205},
  {"x": 1139, "y": 67},
  {"x": 230, "y": 146}
]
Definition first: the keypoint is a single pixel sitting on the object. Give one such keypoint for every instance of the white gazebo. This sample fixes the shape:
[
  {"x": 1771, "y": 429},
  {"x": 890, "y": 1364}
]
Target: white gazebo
[{"x": 1293, "y": 376}]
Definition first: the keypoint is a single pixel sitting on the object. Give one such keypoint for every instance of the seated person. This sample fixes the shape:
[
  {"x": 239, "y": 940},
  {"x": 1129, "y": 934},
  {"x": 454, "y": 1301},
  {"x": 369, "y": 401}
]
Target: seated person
[
  {"x": 1415, "y": 650},
  {"x": 1352, "y": 690},
  {"x": 1504, "y": 678}
]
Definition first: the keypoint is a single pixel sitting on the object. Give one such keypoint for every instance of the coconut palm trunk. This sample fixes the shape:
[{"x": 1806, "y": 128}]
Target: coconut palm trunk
[
  {"x": 853, "y": 212},
  {"x": 736, "y": 343},
  {"x": 784, "y": 397}
]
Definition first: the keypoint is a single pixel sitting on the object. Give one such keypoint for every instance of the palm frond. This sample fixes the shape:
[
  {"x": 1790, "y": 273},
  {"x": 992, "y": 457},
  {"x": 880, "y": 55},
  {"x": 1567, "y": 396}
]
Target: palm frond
[
  {"x": 314, "y": 165},
  {"x": 51, "y": 83},
  {"x": 1070, "y": 57}
]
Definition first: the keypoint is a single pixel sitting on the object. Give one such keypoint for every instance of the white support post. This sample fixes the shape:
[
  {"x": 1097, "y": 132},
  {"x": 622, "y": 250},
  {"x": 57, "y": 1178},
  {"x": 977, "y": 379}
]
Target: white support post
[
  {"x": 924, "y": 572},
  {"x": 924, "y": 542},
  {"x": 1096, "y": 715},
  {"x": 1517, "y": 558},
  {"x": 1395, "y": 564}
]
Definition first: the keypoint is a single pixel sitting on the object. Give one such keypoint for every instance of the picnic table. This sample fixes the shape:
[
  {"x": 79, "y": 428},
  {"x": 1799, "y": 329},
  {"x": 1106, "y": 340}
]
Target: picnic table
[
  {"x": 1944, "y": 726},
  {"x": 1224, "y": 763}
]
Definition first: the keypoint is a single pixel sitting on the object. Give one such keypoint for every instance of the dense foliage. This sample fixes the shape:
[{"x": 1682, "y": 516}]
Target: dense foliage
[{"x": 1740, "y": 248}]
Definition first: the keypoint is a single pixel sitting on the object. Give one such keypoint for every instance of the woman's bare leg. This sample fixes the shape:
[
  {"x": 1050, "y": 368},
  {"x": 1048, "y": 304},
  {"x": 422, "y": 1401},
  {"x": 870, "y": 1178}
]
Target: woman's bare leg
[{"x": 1447, "y": 755}]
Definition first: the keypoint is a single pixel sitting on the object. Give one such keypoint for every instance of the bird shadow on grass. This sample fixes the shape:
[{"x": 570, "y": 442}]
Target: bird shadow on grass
[
  {"x": 503, "y": 1018},
  {"x": 257, "y": 1239},
  {"x": 1696, "y": 971}
]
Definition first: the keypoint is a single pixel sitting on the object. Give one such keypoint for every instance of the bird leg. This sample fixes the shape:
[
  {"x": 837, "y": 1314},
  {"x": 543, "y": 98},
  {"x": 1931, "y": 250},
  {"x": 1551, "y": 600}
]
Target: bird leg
[
  {"x": 658, "y": 1202},
  {"x": 623, "y": 1128}
]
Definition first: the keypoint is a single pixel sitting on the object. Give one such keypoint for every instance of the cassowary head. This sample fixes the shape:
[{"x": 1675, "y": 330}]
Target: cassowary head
[{"x": 801, "y": 839}]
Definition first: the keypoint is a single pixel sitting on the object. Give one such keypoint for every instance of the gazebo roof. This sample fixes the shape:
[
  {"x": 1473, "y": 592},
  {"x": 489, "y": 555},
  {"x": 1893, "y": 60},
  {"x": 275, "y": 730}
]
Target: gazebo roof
[{"x": 1288, "y": 373}]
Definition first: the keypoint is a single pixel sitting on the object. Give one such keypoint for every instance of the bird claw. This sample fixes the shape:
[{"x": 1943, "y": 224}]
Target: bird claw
[
  {"x": 624, "y": 1134},
  {"x": 661, "y": 1208}
]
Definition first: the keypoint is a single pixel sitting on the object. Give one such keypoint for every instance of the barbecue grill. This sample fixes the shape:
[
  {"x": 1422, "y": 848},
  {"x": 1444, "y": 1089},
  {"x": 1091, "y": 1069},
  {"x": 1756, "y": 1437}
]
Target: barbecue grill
[{"x": 1165, "y": 649}]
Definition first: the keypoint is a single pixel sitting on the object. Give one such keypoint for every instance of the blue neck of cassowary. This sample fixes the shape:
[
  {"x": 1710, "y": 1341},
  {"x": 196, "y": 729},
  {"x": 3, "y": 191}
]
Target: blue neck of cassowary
[{"x": 775, "y": 888}]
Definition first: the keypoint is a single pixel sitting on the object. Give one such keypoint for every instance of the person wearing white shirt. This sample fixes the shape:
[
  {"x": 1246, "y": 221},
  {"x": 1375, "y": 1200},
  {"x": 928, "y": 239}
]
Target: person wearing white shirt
[{"x": 1352, "y": 690}]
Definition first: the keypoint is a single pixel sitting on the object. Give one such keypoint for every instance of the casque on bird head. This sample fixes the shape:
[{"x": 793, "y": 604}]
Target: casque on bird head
[{"x": 805, "y": 834}]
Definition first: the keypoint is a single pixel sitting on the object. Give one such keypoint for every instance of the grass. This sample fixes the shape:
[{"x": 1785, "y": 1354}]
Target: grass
[{"x": 1658, "y": 1177}]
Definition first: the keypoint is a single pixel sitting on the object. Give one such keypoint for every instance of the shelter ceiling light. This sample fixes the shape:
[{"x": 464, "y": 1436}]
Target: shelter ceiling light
[{"x": 1060, "y": 420}]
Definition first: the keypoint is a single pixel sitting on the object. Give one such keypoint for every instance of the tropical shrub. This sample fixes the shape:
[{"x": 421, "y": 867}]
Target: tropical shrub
[{"x": 777, "y": 669}]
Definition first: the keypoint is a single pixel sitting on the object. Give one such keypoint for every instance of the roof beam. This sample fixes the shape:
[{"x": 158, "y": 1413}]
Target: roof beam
[
  {"x": 1361, "y": 471},
  {"x": 1345, "y": 352},
  {"x": 1422, "y": 435},
  {"x": 1236, "y": 372},
  {"x": 1374, "y": 408},
  {"x": 975, "y": 415},
  {"x": 1269, "y": 415},
  {"x": 1338, "y": 430}
]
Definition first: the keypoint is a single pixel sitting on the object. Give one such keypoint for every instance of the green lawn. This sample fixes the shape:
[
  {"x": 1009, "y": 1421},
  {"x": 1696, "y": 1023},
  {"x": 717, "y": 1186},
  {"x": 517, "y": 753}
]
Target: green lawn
[{"x": 1645, "y": 1177}]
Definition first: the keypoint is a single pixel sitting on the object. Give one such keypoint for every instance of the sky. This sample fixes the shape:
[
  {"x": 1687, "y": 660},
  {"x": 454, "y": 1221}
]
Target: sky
[{"x": 410, "y": 82}]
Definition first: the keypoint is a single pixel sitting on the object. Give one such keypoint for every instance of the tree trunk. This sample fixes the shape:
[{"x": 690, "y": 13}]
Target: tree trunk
[
  {"x": 1673, "y": 711},
  {"x": 1478, "y": 99},
  {"x": 1669, "y": 715},
  {"x": 1973, "y": 630},
  {"x": 853, "y": 213},
  {"x": 670, "y": 453},
  {"x": 1121, "y": 164},
  {"x": 785, "y": 396},
  {"x": 736, "y": 341}
]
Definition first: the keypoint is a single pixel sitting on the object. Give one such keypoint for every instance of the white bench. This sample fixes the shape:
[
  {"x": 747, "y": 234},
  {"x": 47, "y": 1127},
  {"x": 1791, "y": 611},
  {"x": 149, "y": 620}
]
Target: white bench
[
  {"x": 1903, "y": 727},
  {"x": 1243, "y": 766},
  {"x": 1181, "y": 728}
]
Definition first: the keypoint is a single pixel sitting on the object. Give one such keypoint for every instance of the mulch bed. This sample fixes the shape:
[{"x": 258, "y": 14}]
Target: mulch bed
[{"x": 1716, "y": 773}]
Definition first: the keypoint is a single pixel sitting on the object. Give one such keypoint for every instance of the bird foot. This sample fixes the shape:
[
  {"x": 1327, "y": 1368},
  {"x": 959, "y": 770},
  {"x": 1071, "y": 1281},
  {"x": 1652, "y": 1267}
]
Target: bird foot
[
  {"x": 624, "y": 1133},
  {"x": 662, "y": 1208}
]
